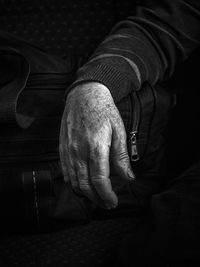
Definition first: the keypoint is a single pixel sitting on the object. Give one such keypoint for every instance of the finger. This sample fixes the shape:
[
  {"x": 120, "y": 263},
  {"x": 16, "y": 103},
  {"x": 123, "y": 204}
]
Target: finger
[
  {"x": 84, "y": 181},
  {"x": 73, "y": 175},
  {"x": 119, "y": 152},
  {"x": 99, "y": 175},
  {"x": 66, "y": 155},
  {"x": 62, "y": 150},
  {"x": 69, "y": 168},
  {"x": 63, "y": 161}
]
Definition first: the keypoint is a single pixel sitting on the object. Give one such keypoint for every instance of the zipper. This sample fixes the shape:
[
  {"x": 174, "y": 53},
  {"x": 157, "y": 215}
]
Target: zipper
[{"x": 135, "y": 120}]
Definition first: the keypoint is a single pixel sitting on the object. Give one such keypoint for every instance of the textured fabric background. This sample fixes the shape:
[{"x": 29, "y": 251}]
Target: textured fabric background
[
  {"x": 90, "y": 245},
  {"x": 62, "y": 26}
]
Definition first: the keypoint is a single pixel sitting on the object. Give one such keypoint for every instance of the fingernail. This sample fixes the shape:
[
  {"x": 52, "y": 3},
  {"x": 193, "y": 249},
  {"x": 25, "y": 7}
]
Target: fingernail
[{"x": 131, "y": 175}]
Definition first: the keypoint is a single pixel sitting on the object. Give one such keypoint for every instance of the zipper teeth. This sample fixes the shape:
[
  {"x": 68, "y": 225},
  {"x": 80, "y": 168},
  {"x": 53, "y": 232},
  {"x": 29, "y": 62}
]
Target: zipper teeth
[
  {"x": 134, "y": 125},
  {"x": 135, "y": 116}
]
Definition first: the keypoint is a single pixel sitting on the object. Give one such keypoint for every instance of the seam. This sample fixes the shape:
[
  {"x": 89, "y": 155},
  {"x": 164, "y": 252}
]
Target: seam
[
  {"x": 130, "y": 62},
  {"x": 35, "y": 197}
]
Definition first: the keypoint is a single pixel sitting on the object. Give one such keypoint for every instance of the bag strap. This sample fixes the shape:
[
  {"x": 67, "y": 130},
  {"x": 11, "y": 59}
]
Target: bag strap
[
  {"x": 32, "y": 82},
  {"x": 9, "y": 93}
]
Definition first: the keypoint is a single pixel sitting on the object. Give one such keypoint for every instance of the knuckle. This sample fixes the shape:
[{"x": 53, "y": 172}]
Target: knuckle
[
  {"x": 81, "y": 166},
  {"x": 84, "y": 186},
  {"x": 121, "y": 156},
  {"x": 99, "y": 179},
  {"x": 98, "y": 151},
  {"x": 73, "y": 148},
  {"x": 74, "y": 184},
  {"x": 122, "y": 162},
  {"x": 94, "y": 155},
  {"x": 71, "y": 172},
  {"x": 84, "y": 183}
]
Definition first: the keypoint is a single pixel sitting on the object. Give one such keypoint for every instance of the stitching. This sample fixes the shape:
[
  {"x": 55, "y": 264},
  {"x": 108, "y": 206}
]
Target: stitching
[
  {"x": 130, "y": 62},
  {"x": 35, "y": 197}
]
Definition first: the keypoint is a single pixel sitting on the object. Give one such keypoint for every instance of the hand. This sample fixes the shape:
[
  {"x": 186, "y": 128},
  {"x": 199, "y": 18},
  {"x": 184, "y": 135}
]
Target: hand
[{"x": 92, "y": 133}]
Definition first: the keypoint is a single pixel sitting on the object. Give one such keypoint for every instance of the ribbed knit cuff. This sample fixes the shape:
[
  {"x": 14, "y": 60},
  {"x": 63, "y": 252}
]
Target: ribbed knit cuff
[{"x": 119, "y": 83}]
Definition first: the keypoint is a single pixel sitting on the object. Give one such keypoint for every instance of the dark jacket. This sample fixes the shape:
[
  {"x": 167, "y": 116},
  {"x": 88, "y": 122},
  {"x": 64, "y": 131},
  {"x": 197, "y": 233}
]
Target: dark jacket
[{"x": 145, "y": 47}]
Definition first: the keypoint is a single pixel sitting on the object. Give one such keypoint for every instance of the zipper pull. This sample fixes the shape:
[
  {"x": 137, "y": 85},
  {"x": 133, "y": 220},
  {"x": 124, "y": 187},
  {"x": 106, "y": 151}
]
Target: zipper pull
[{"x": 134, "y": 151}]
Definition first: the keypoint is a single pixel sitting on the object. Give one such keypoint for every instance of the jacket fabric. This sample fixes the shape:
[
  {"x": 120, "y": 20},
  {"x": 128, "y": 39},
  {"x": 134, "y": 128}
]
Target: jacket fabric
[{"x": 146, "y": 46}]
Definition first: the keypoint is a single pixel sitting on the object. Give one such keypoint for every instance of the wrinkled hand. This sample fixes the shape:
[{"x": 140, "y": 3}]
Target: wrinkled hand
[{"x": 92, "y": 133}]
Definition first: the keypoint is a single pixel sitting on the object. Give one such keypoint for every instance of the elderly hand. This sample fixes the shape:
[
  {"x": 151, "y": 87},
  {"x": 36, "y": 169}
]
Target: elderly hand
[{"x": 92, "y": 133}]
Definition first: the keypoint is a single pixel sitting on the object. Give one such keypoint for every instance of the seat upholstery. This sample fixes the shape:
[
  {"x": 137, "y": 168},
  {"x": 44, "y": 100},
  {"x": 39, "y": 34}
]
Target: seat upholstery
[{"x": 62, "y": 26}]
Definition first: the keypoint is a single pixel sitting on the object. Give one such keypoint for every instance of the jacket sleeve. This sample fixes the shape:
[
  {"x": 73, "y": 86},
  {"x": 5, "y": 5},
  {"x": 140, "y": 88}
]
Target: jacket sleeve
[{"x": 145, "y": 47}]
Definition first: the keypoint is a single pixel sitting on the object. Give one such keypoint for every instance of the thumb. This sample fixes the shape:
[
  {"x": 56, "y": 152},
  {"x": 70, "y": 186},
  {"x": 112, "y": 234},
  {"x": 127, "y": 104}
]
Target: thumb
[{"x": 119, "y": 152}]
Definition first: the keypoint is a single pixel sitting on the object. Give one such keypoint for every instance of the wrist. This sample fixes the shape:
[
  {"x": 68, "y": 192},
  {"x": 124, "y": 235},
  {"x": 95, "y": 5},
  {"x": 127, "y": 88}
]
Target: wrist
[
  {"x": 89, "y": 88},
  {"x": 119, "y": 80}
]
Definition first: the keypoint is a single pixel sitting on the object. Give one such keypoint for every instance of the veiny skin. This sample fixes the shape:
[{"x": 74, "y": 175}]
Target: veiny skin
[{"x": 92, "y": 132}]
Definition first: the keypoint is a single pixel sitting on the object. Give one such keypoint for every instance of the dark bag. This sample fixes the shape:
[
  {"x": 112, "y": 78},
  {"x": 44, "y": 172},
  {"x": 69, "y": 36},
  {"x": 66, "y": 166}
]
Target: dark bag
[
  {"x": 32, "y": 91},
  {"x": 145, "y": 114}
]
